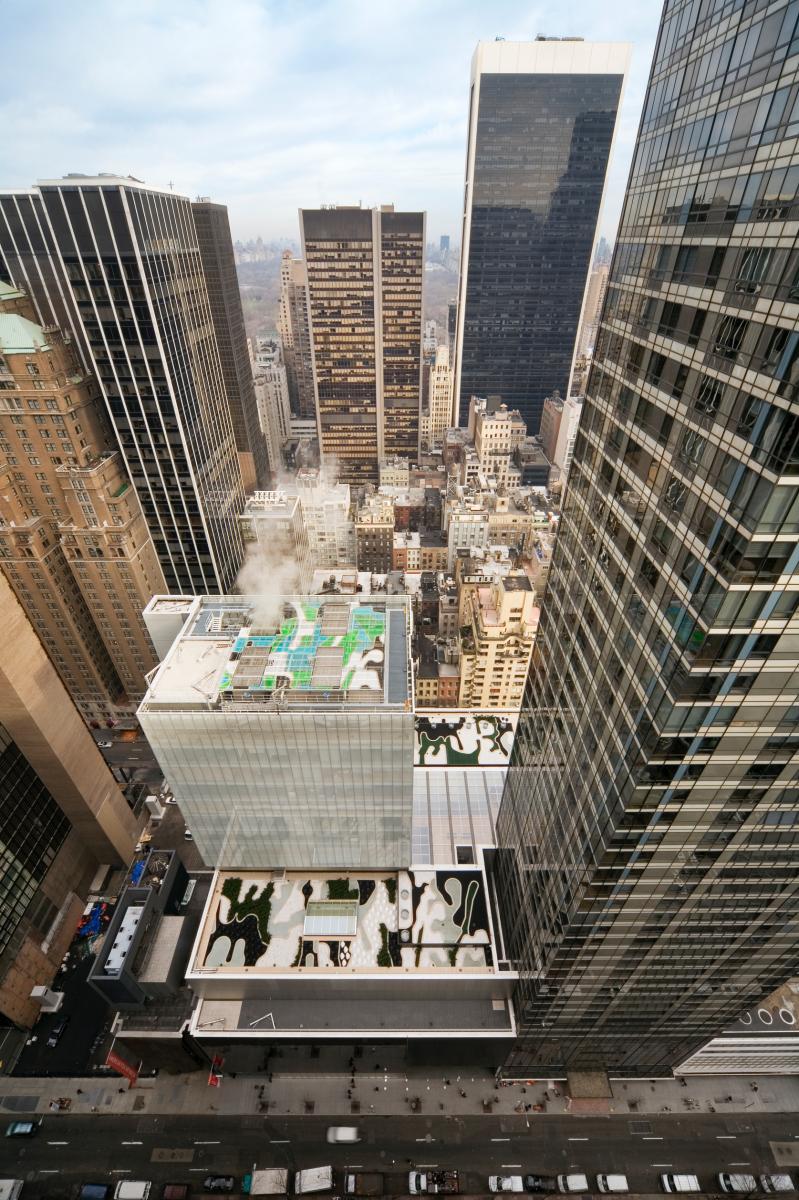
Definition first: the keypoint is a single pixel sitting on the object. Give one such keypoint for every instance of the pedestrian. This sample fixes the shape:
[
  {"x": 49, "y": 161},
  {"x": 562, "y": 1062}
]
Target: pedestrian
[
  {"x": 79, "y": 1091},
  {"x": 377, "y": 1089}
]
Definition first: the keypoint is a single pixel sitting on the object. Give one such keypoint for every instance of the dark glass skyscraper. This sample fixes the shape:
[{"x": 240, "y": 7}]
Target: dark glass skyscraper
[
  {"x": 118, "y": 265},
  {"x": 219, "y": 267},
  {"x": 541, "y": 121},
  {"x": 649, "y": 870}
]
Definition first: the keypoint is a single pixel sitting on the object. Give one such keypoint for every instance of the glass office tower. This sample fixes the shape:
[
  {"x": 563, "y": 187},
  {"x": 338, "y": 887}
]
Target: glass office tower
[
  {"x": 118, "y": 264},
  {"x": 365, "y": 269},
  {"x": 541, "y": 121},
  {"x": 219, "y": 267},
  {"x": 649, "y": 870}
]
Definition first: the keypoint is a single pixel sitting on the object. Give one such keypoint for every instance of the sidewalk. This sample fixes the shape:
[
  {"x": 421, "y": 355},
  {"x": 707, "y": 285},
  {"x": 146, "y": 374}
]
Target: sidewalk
[{"x": 391, "y": 1093}]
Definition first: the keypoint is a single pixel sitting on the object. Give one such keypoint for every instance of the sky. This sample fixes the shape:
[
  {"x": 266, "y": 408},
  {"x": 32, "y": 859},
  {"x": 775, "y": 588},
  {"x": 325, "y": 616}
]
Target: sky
[{"x": 272, "y": 105}]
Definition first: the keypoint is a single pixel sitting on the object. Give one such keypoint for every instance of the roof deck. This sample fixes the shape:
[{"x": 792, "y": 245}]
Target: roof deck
[
  {"x": 388, "y": 923},
  {"x": 277, "y": 651}
]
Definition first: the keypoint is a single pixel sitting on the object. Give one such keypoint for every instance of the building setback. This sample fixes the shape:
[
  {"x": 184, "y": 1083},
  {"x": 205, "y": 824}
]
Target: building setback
[
  {"x": 649, "y": 863},
  {"x": 73, "y": 542},
  {"x": 118, "y": 265},
  {"x": 219, "y": 266},
  {"x": 541, "y": 122},
  {"x": 61, "y": 815},
  {"x": 365, "y": 269}
]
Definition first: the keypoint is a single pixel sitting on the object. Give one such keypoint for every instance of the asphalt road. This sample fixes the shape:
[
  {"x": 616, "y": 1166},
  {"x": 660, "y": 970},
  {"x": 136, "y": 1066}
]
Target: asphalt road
[{"x": 70, "y": 1149}]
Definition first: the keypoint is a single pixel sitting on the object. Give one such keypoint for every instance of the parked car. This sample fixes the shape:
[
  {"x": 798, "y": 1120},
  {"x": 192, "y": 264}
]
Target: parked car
[
  {"x": 572, "y": 1183},
  {"x": 505, "y": 1183},
  {"x": 343, "y": 1133},
  {"x": 736, "y": 1183},
  {"x": 612, "y": 1183},
  {"x": 219, "y": 1183},
  {"x": 540, "y": 1183},
  {"x": 436, "y": 1182},
  {"x": 680, "y": 1183},
  {"x": 94, "y": 1191},
  {"x": 105, "y": 744},
  {"x": 22, "y": 1128},
  {"x": 188, "y": 836},
  {"x": 57, "y": 1032},
  {"x": 777, "y": 1183},
  {"x": 175, "y": 1191}
]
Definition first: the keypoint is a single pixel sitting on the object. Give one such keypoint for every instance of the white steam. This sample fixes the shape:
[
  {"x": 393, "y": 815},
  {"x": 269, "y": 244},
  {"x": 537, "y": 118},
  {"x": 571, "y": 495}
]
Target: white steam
[{"x": 269, "y": 576}]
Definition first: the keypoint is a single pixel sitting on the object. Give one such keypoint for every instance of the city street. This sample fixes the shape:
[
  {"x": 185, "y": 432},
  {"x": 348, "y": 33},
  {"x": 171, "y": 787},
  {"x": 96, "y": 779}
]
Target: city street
[{"x": 69, "y": 1148}]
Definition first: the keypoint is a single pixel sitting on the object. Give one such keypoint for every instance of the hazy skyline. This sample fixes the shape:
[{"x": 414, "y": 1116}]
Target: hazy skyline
[{"x": 268, "y": 107}]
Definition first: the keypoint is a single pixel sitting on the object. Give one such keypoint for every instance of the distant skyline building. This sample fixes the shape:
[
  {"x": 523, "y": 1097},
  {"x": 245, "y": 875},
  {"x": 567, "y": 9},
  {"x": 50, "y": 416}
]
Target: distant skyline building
[
  {"x": 542, "y": 117},
  {"x": 437, "y": 405},
  {"x": 649, "y": 831},
  {"x": 365, "y": 269},
  {"x": 295, "y": 334},
  {"x": 219, "y": 265},
  {"x": 118, "y": 264},
  {"x": 594, "y": 299},
  {"x": 62, "y": 814}
]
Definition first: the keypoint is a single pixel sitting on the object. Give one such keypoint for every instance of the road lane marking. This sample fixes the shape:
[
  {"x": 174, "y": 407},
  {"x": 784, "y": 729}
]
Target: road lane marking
[
  {"x": 741, "y": 1164},
  {"x": 58, "y": 1143},
  {"x": 205, "y": 1143},
  {"x": 500, "y": 1139},
  {"x": 280, "y": 1141},
  {"x": 48, "y": 1171},
  {"x": 120, "y": 1171},
  {"x": 578, "y": 1139},
  {"x": 725, "y": 1137},
  {"x": 133, "y": 1143},
  {"x": 651, "y": 1138},
  {"x": 661, "y": 1164},
  {"x": 502, "y": 1165}
]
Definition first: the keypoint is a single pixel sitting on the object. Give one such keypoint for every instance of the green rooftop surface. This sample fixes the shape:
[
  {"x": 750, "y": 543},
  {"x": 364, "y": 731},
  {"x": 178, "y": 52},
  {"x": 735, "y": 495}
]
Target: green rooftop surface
[
  {"x": 18, "y": 335},
  {"x": 292, "y": 652}
]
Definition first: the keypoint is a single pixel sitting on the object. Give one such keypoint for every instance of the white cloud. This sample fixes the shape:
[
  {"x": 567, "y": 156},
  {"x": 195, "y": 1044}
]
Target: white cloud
[{"x": 269, "y": 106}]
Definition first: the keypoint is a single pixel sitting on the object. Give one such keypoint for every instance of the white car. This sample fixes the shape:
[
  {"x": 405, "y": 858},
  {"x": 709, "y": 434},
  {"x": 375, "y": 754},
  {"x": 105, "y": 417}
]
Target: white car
[
  {"x": 572, "y": 1183},
  {"x": 612, "y": 1183},
  {"x": 343, "y": 1133},
  {"x": 505, "y": 1183},
  {"x": 737, "y": 1183},
  {"x": 777, "y": 1183}
]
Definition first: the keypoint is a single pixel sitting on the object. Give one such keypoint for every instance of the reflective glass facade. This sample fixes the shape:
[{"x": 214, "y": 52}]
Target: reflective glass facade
[
  {"x": 32, "y": 831},
  {"x": 219, "y": 267},
  {"x": 539, "y": 147},
  {"x": 119, "y": 266},
  {"x": 650, "y": 826}
]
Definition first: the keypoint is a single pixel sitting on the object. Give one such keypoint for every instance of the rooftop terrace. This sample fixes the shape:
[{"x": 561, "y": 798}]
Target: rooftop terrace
[
  {"x": 293, "y": 650},
  {"x": 429, "y": 920}
]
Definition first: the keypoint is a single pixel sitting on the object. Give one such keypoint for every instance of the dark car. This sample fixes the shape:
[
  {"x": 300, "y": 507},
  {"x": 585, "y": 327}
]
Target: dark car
[
  {"x": 175, "y": 1191},
  {"x": 94, "y": 1191},
  {"x": 57, "y": 1031},
  {"x": 219, "y": 1183},
  {"x": 540, "y": 1183},
  {"x": 22, "y": 1128}
]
